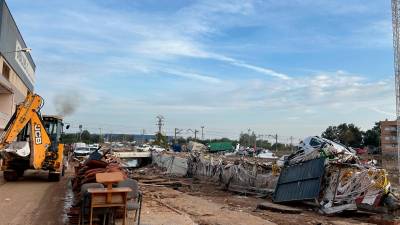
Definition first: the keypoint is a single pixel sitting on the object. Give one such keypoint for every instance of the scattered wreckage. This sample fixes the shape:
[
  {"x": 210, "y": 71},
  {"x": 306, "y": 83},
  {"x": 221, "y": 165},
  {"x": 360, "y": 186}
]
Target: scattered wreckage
[
  {"x": 324, "y": 172},
  {"x": 333, "y": 176}
]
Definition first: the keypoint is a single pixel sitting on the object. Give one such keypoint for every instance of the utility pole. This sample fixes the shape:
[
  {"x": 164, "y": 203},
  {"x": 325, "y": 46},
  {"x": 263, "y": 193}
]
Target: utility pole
[
  {"x": 248, "y": 133},
  {"x": 255, "y": 143},
  {"x": 143, "y": 132},
  {"x": 396, "y": 46},
  {"x": 177, "y": 131},
  {"x": 202, "y": 132},
  {"x": 195, "y": 132},
  {"x": 291, "y": 143},
  {"x": 276, "y": 141},
  {"x": 160, "y": 123},
  {"x": 261, "y": 137},
  {"x": 80, "y": 132},
  {"x": 100, "y": 137}
]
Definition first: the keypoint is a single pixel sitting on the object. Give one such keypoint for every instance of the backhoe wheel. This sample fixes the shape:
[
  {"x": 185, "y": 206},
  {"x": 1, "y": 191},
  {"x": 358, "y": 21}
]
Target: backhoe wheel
[
  {"x": 20, "y": 173},
  {"x": 10, "y": 175},
  {"x": 54, "y": 176}
]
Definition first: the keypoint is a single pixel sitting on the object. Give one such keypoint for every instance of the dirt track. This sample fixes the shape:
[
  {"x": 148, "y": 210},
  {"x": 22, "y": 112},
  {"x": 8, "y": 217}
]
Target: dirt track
[{"x": 32, "y": 200}]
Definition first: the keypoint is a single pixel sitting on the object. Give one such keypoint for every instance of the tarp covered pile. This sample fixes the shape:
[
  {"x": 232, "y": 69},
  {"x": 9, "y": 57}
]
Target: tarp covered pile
[{"x": 346, "y": 183}]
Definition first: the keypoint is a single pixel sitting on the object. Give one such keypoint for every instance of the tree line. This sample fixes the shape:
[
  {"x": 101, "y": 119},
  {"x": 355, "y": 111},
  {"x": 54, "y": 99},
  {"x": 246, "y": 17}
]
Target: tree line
[
  {"x": 346, "y": 134},
  {"x": 353, "y": 136}
]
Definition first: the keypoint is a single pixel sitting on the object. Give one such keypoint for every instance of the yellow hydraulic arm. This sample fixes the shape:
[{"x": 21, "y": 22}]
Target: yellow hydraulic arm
[{"x": 28, "y": 112}]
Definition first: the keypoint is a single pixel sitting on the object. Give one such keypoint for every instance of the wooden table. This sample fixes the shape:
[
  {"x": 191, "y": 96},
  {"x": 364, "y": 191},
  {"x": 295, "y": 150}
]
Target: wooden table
[
  {"x": 108, "y": 198},
  {"x": 109, "y": 179}
]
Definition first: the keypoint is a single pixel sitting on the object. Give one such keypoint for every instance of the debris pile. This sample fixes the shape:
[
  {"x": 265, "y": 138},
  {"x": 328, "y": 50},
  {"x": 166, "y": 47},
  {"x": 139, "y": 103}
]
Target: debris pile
[
  {"x": 346, "y": 183},
  {"x": 353, "y": 185},
  {"x": 322, "y": 171},
  {"x": 85, "y": 172},
  {"x": 316, "y": 147},
  {"x": 240, "y": 175},
  {"x": 196, "y": 147}
]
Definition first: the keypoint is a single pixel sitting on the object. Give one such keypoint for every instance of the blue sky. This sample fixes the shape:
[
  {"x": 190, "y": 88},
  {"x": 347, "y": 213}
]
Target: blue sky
[{"x": 289, "y": 67}]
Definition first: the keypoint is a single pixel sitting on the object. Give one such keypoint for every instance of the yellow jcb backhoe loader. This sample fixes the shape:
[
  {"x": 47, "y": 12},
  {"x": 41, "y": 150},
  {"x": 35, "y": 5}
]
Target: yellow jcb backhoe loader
[{"x": 31, "y": 141}]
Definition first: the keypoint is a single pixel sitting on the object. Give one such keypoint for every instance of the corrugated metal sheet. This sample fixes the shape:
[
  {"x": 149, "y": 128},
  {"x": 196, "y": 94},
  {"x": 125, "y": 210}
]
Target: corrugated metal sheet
[
  {"x": 300, "y": 181},
  {"x": 11, "y": 39}
]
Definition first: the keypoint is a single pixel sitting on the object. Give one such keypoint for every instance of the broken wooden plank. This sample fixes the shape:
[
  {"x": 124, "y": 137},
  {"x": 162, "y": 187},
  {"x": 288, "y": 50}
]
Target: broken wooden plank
[
  {"x": 278, "y": 208},
  {"x": 169, "y": 207},
  {"x": 250, "y": 190},
  {"x": 154, "y": 181}
]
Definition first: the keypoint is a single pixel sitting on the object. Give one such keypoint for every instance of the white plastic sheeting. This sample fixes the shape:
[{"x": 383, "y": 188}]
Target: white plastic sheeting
[
  {"x": 173, "y": 164},
  {"x": 196, "y": 147},
  {"x": 20, "y": 148},
  {"x": 240, "y": 173}
]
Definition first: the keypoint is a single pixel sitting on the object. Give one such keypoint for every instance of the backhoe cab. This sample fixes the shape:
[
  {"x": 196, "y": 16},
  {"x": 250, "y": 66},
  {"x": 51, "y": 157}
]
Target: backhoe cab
[
  {"x": 31, "y": 141},
  {"x": 54, "y": 128}
]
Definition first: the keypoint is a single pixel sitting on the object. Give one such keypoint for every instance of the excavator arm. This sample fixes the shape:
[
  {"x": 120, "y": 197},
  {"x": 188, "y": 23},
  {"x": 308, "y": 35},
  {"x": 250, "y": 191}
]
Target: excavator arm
[
  {"x": 40, "y": 141},
  {"x": 21, "y": 117},
  {"x": 28, "y": 112}
]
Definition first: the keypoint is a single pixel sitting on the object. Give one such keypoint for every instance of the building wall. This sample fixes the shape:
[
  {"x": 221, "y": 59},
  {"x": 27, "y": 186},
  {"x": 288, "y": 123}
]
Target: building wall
[
  {"x": 10, "y": 42},
  {"x": 13, "y": 92},
  {"x": 388, "y": 137},
  {"x": 17, "y": 69}
]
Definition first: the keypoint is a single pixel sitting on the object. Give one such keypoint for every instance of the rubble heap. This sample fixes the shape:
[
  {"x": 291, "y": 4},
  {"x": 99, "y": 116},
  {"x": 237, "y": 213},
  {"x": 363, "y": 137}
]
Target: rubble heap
[
  {"x": 85, "y": 172},
  {"x": 347, "y": 184},
  {"x": 239, "y": 175}
]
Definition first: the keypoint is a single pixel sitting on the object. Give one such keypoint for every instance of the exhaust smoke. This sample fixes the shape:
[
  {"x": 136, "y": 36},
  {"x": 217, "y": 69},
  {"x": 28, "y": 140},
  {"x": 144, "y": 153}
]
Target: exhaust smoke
[{"x": 67, "y": 103}]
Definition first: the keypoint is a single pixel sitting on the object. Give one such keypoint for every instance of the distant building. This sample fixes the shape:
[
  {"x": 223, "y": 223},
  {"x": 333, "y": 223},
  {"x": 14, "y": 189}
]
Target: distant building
[
  {"x": 17, "y": 68},
  {"x": 388, "y": 137}
]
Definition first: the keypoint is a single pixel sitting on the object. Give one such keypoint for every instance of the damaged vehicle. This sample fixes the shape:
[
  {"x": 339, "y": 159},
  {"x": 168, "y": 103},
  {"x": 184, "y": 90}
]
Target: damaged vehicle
[{"x": 314, "y": 146}]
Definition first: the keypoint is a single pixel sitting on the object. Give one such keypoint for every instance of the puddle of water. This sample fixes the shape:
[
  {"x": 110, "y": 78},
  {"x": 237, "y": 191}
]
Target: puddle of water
[{"x": 68, "y": 200}]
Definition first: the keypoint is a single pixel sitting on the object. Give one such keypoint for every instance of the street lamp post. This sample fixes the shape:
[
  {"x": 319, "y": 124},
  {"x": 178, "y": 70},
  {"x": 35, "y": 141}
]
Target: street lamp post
[{"x": 26, "y": 50}]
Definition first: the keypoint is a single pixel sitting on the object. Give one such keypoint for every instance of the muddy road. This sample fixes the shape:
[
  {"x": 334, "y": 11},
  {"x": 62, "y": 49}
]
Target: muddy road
[{"x": 32, "y": 200}]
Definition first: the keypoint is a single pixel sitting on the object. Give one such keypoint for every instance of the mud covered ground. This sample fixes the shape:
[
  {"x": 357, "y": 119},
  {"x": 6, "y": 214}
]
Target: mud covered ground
[{"x": 32, "y": 200}]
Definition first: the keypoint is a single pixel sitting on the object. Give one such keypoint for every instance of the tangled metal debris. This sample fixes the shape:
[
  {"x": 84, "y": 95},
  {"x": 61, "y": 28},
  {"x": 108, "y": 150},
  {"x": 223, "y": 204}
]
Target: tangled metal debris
[
  {"x": 347, "y": 183},
  {"x": 323, "y": 171}
]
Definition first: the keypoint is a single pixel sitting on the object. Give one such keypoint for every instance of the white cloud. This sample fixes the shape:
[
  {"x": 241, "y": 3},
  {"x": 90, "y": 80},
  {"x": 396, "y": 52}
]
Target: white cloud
[
  {"x": 195, "y": 76},
  {"x": 169, "y": 48},
  {"x": 84, "y": 50},
  {"x": 391, "y": 114},
  {"x": 266, "y": 71}
]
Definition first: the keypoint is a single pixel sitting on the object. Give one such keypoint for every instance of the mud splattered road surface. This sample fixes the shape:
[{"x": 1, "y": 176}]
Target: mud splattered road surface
[{"x": 32, "y": 200}]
